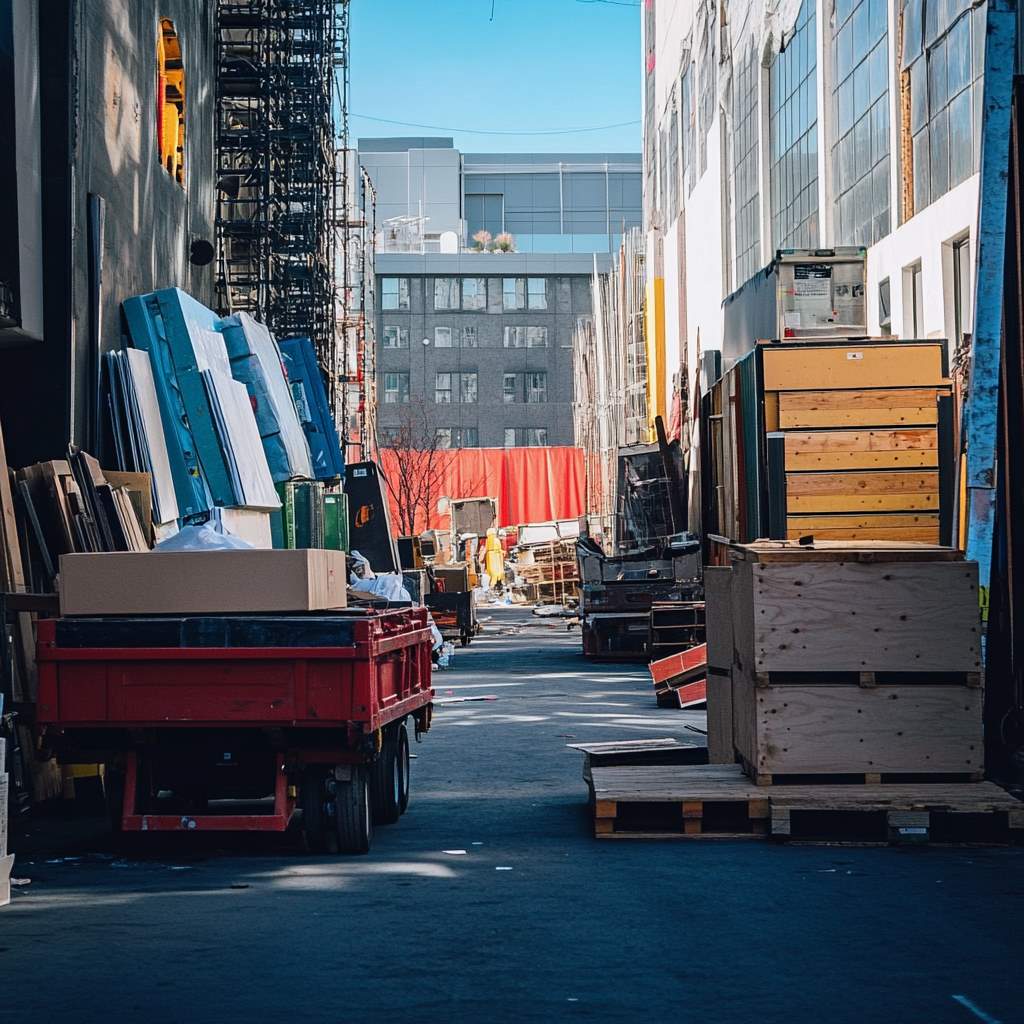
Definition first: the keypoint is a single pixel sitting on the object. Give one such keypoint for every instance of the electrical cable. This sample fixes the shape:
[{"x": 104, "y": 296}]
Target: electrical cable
[{"x": 481, "y": 131}]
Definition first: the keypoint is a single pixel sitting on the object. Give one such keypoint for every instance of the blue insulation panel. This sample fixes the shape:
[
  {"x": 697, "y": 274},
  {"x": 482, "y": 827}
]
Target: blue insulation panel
[{"x": 314, "y": 411}]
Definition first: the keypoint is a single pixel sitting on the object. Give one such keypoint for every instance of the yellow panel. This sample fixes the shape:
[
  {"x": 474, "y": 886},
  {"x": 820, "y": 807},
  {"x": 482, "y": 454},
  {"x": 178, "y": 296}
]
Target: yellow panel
[
  {"x": 865, "y": 417},
  {"x": 861, "y": 449},
  {"x": 924, "y": 534},
  {"x": 915, "y": 459},
  {"x": 771, "y": 411},
  {"x": 856, "y": 408},
  {"x": 868, "y": 365}
]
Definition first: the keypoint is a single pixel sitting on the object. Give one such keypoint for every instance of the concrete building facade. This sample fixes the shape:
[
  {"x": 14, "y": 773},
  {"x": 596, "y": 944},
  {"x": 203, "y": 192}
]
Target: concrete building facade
[
  {"x": 806, "y": 124},
  {"x": 476, "y": 345}
]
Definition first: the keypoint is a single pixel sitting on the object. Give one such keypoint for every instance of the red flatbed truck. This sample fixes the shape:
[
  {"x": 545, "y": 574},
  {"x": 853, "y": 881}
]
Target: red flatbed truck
[{"x": 200, "y": 718}]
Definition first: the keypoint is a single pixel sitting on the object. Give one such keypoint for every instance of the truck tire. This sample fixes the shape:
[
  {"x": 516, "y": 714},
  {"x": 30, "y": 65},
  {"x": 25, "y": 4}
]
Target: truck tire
[
  {"x": 315, "y": 820},
  {"x": 386, "y": 781},
  {"x": 403, "y": 766},
  {"x": 354, "y": 813}
]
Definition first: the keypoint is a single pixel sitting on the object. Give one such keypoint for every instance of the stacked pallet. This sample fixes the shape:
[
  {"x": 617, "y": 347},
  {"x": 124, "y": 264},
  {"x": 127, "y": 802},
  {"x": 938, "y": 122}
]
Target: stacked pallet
[
  {"x": 548, "y": 573},
  {"x": 839, "y": 439},
  {"x": 845, "y": 681}
]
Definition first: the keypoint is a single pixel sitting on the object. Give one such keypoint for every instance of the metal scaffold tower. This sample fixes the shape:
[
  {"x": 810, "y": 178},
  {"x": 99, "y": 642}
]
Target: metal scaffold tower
[{"x": 281, "y": 121}]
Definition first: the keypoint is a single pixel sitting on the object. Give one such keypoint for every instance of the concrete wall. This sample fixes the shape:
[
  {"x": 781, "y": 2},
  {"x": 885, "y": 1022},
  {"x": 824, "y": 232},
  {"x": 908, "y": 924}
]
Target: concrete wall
[
  {"x": 569, "y": 298},
  {"x": 98, "y": 86}
]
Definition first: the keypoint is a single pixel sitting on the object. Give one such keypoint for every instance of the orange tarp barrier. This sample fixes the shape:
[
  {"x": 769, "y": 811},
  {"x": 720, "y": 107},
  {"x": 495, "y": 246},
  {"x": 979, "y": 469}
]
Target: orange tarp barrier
[{"x": 532, "y": 485}]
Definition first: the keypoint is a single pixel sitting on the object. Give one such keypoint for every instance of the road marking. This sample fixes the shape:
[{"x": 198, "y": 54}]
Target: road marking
[{"x": 978, "y": 1012}]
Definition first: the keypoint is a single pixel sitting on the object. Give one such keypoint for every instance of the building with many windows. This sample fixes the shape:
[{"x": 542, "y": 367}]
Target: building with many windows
[
  {"x": 809, "y": 124},
  {"x": 475, "y": 343}
]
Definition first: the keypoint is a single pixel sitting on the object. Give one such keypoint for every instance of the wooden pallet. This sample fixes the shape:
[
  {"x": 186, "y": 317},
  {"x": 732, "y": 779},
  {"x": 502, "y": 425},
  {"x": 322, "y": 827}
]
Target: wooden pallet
[
  {"x": 922, "y": 778},
  {"x": 718, "y": 801},
  {"x": 618, "y": 753}
]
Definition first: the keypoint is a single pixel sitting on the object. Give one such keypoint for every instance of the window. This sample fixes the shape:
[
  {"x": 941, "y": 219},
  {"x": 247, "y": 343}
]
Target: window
[
  {"x": 396, "y": 337},
  {"x": 526, "y": 437},
  {"x": 469, "y": 337},
  {"x": 513, "y": 293},
  {"x": 962, "y": 297},
  {"x": 672, "y": 170},
  {"x": 913, "y": 302},
  {"x": 485, "y": 212},
  {"x": 526, "y": 337},
  {"x": 536, "y": 387},
  {"x": 707, "y": 84},
  {"x": 458, "y": 437},
  {"x": 860, "y": 108},
  {"x": 687, "y": 112},
  {"x": 537, "y": 292},
  {"x": 510, "y": 388},
  {"x": 446, "y": 293},
  {"x": 170, "y": 113},
  {"x": 474, "y": 293},
  {"x": 455, "y": 387},
  {"x": 396, "y": 388},
  {"x": 389, "y": 437},
  {"x": 941, "y": 69},
  {"x": 394, "y": 293},
  {"x": 884, "y": 307},
  {"x": 793, "y": 137},
  {"x": 746, "y": 201},
  {"x": 442, "y": 337}
]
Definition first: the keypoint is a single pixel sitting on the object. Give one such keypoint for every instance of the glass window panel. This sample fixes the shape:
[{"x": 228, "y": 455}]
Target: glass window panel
[
  {"x": 961, "y": 152},
  {"x": 845, "y": 97},
  {"x": 509, "y": 388},
  {"x": 467, "y": 388},
  {"x": 913, "y": 11},
  {"x": 879, "y": 130},
  {"x": 978, "y": 39},
  {"x": 938, "y": 137},
  {"x": 878, "y": 70},
  {"x": 880, "y": 188},
  {"x": 922, "y": 189},
  {"x": 862, "y": 145},
  {"x": 844, "y": 52},
  {"x": 861, "y": 89},
  {"x": 536, "y": 337},
  {"x": 474, "y": 293},
  {"x": 937, "y": 77},
  {"x": 396, "y": 337},
  {"x": 537, "y": 292},
  {"x": 446, "y": 293},
  {"x": 510, "y": 437},
  {"x": 536, "y": 387},
  {"x": 443, "y": 436},
  {"x": 443, "y": 388},
  {"x": 958, "y": 56},
  {"x": 861, "y": 33},
  {"x": 396, "y": 388},
  {"x": 394, "y": 292},
  {"x": 442, "y": 337},
  {"x": 513, "y": 293},
  {"x": 844, "y": 8},
  {"x": 469, "y": 337}
]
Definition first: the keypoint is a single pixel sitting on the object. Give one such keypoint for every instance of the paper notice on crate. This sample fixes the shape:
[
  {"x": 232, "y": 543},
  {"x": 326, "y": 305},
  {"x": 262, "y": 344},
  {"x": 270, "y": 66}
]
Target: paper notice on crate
[{"x": 812, "y": 294}]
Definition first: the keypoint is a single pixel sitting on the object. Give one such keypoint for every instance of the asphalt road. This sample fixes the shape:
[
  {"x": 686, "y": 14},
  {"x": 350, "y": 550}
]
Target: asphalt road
[{"x": 535, "y": 921}]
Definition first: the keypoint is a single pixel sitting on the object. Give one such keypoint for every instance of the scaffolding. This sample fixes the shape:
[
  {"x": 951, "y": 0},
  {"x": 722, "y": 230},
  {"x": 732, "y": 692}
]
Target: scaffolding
[
  {"x": 281, "y": 119},
  {"x": 610, "y": 374}
]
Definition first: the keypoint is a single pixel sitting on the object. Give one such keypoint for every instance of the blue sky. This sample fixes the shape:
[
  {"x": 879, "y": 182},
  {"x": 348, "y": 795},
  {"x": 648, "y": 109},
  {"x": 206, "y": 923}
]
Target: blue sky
[{"x": 540, "y": 64}]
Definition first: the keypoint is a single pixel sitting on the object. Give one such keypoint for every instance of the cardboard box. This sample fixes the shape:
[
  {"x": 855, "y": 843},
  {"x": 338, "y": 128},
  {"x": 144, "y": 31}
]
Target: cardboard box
[{"x": 201, "y": 582}]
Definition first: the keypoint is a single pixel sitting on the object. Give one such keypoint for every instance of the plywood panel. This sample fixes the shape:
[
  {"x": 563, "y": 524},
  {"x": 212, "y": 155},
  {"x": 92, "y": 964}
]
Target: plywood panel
[
  {"x": 720, "y": 729},
  {"x": 855, "y": 729},
  {"x": 860, "y": 483},
  {"x": 922, "y": 527},
  {"x": 865, "y": 617},
  {"x": 854, "y": 408},
  {"x": 898, "y": 502},
  {"x": 809, "y": 367}
]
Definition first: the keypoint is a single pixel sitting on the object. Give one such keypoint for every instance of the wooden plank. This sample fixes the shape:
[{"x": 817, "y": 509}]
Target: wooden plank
[
  {"x": 797, "y": 528},
  {"x": 861, "y": 449},
  {"x": 862, "y": 365},
  {"x": 720, "y": 735},
  {"x": 897, "y": 407},
  {"x": 865, "y": 521},
  {"x": 798, "y": 484},
  {"x": 856, "y": 617},
  {"x": 806, "y": 729},
  {"x": 902, "y": 501},
  {"x": 868, "y": 552}
]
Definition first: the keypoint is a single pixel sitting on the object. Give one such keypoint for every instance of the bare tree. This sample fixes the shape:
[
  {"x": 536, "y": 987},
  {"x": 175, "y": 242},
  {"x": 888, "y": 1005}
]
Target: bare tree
[{"x": 420, "y": 467}]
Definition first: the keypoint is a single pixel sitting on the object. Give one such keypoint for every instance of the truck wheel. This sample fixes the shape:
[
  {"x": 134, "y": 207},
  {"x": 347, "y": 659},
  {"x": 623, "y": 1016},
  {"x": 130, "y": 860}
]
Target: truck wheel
[
  {"x": 386, "y": 781},
  {"x": 314, "y": 816},
  {"x": 403, "y": 766},
  {"x": 354, "y": 814}
]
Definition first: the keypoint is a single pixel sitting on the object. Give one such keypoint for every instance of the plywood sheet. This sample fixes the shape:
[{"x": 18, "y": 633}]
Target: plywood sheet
[
  {"x": 913, "y": 728},
  {"x": 861, "y": 449},
  {"x": 863, "y": 617},
  {"x": 865, "y": 365},
  {"x": 908, "y": 527},
  {"x": 718, "y": 616}
]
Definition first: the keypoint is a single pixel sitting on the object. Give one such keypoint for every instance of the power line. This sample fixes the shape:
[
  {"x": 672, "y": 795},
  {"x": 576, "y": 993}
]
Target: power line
[{"x": 482, "y": 131}]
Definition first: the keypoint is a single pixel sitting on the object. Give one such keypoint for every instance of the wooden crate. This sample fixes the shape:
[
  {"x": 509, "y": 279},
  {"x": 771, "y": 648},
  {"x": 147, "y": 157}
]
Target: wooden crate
[
  {"x": 854, "y": 659},
  {"x": 893, "y": 407},
  {"x": 853, "y": 364}
]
